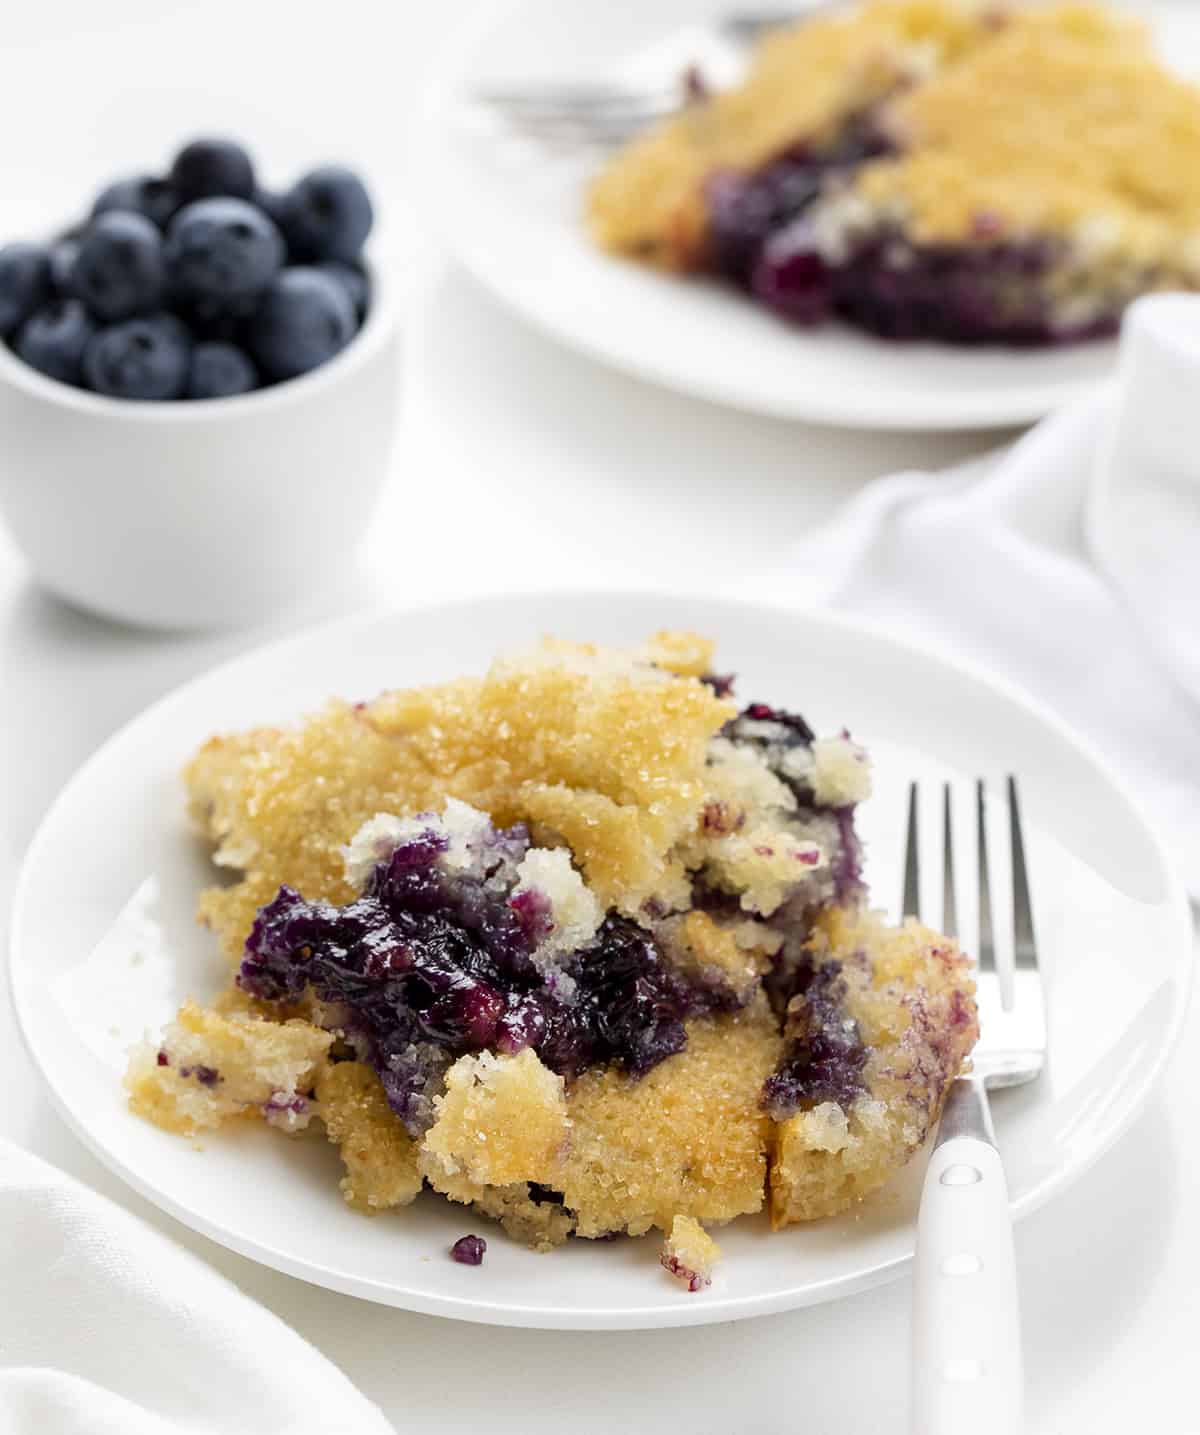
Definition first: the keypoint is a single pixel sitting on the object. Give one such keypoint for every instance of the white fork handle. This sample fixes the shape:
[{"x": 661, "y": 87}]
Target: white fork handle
[{"x": 966, "y": 1330}]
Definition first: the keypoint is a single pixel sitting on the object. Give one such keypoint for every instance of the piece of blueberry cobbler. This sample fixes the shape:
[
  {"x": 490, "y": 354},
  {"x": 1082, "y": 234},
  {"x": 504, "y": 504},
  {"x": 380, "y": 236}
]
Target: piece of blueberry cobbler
[
  {"x": 970, "y": 171},
  {"x": 582, "y": 944}
]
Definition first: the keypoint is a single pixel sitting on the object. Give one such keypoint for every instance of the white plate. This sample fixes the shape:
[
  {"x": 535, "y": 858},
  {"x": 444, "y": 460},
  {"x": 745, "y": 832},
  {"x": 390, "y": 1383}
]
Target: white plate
[
  {"x": 1111, "y": 918},
  {"x": 513, "y": 215}
]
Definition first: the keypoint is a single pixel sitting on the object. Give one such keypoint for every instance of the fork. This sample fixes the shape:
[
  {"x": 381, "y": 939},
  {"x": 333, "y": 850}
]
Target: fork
[
  {"x": 611, "y": 112},
  {"x": 966, "y": 1329}
]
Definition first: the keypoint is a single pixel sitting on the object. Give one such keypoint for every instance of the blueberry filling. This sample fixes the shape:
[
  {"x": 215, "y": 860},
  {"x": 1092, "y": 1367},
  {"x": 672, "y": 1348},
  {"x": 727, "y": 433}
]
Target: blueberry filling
[
  {"x": 989, "y": 290},
  {"x": 825, "y": 1054},
  {"x": 782, "y": 739},
  {"x": 436, "y": 958},
  {"x": 962, "y": 294},
  {"x": 721, "y": 683},
  {"x": 746, "y": 210},
  {"x": 430, "y": 964}
]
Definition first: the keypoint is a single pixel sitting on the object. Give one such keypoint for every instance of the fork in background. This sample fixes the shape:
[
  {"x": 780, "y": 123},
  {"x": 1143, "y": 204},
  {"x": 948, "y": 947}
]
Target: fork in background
[
  {"x": 966, "y": 1328},
  {"x": 608, "y": 113}
]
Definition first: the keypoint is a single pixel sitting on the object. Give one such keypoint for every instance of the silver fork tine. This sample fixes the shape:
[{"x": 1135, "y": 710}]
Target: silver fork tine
[
  {"x": 987, "y": 941},
  {"x": 602, "y": 112},
  {"x": 598, "y": 129},
  {"x": 949, "y": 907},
  {"x": 591, "y": 107},
  {"x": 1024, "y": 945},
  {"x": 912, "y": 872},
  {"x": 575, "y": 97}
]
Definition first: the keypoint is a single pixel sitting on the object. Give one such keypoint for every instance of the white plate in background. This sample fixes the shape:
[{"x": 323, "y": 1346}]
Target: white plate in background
[
  {"x": 514, "y": 215},
  {"x": 1112, "y": 922}
]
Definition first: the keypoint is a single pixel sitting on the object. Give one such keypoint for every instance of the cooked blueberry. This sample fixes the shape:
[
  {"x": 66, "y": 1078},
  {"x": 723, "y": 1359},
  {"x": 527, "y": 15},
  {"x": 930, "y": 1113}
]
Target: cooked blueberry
[
  {"x": 222, "y": 250},
  {"x": 119, "y": 268},
  {"x": 432, "y": 962},
  {"x": 305, "y": 318},
  {"x": 144, "y": 358},
  {"x": 63, "y": 254},
  {"x": 24, "y": 283},
  {"x": 792, "y": 277},
  {"x": 352, "y": 278},
  {"x": 327, "y": 215},
  {"x": 210, "y": 167},
  {"x": 53, "y": 339},
  {"x": 468, "y": 1250},
  {"x": 143, "y": 194},
  {"x": 218, "y": 371},
  {"x": 825, "y": 1055}
]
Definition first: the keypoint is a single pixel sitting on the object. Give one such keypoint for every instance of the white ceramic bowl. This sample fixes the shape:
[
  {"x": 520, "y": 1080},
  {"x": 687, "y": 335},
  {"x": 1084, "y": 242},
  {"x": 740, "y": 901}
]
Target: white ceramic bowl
[{"x": 205, "y": 513}]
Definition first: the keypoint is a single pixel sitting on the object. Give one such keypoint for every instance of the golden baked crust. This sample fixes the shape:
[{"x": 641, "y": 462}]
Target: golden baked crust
[
  {"x": 606, "y": 749},
  {"x": 805, "y": 82},
  {"x": 379, "y": 1155},
  {"x": 208, "y": 1068},
  {"x": 689, "y": 1138},
  {"x": 1010, "y": 123},
  {"x": 654, "y": 791},
  {"x": 908, "y": 990}
]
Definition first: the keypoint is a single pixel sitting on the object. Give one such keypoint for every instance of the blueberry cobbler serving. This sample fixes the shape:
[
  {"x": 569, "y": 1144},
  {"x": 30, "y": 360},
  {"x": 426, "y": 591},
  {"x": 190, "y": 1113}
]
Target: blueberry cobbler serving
[
  {"x": 582, "y": 944},
  {"x": 971, "y": 171}
]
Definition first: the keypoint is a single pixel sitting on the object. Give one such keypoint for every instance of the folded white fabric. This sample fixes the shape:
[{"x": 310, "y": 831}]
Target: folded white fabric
[
  {"x": 1069, "y": 564},
  {"x": 110, "y": 1328}
]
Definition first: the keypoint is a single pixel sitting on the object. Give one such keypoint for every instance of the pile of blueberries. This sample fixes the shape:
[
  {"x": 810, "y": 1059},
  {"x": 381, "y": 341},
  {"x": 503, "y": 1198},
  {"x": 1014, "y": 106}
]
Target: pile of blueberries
[{"x": 198, "y": 285}]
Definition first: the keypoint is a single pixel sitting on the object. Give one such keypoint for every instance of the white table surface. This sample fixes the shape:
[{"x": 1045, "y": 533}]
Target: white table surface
[{"x": 521, "y": 466}]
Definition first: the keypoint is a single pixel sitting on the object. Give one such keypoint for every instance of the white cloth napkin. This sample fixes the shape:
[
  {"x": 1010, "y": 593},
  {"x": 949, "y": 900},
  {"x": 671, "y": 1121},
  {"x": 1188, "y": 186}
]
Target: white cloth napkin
[
  {"x": 1070, "y": 565},
  {"x": 108, "y": 1327}
]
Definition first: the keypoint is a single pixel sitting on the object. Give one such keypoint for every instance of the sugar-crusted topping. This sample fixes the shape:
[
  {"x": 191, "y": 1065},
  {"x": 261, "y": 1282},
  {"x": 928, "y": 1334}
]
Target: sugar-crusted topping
[
  {"x": 685, "y": 850},
  {"x": 1062, "y": 117},
  {"x": 502, "y": 1119},
  {"x": 1009, "y": 122},
  {"x": 805, "y": 82},
  {"x": 613, "y": 766}
]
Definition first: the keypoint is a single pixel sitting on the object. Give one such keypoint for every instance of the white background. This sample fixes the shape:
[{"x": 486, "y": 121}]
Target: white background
[{"x": 523, "y": 466}]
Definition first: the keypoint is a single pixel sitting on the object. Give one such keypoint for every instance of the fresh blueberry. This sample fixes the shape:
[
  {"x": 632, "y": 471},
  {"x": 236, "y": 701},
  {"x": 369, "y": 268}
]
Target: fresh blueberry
[
  {"x": 24, "y": 283},
  {"x": 219, "y": 371},
  {"x": 223, "y": 250},
  {"x": 304, "y": 319},
  {"x": 212, "y": 166},
  {"x": 119, "y": 269},
  {"x": 220, "y": 321},
  {"x": 327, "y": 215},
  {"x": 53, "y": 339},
  {"x": 143, "y": 194},
  {"x": 270, "y": 202},
  {"x": 143, "y": 358},
  {"x": 352, "y": 278},
  {"x": 63, "y": 254}
]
